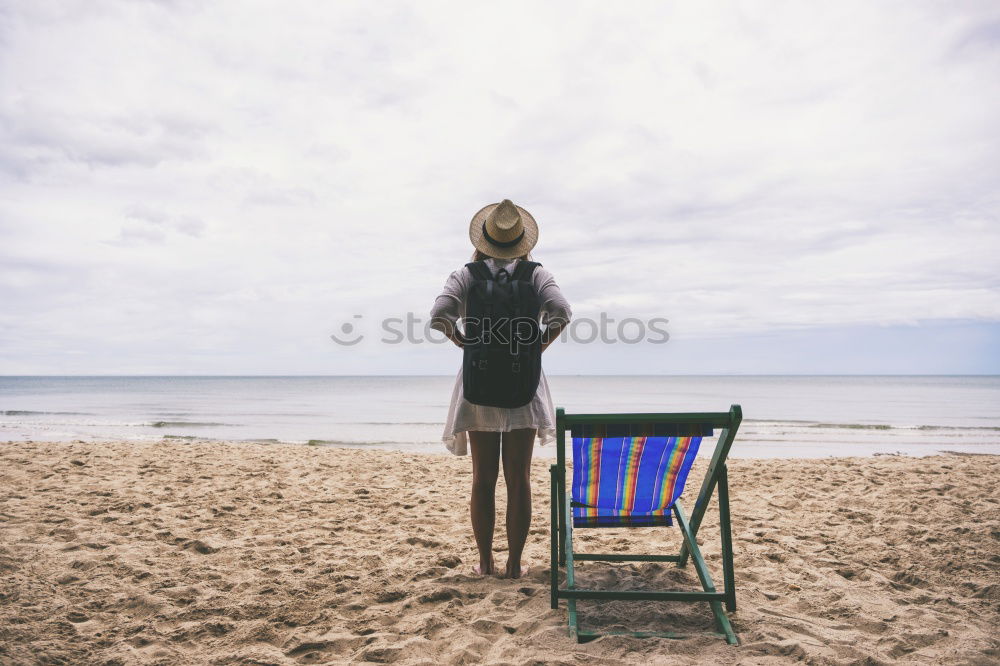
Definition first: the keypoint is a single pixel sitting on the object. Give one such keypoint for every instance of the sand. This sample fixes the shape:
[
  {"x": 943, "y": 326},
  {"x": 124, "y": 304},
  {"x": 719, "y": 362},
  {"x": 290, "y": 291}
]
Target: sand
[{"x": 208, "y": 552}]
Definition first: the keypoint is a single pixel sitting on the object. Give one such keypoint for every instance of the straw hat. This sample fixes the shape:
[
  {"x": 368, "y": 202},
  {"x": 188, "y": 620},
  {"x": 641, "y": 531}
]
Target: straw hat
[{"x": 503, "y": 230}]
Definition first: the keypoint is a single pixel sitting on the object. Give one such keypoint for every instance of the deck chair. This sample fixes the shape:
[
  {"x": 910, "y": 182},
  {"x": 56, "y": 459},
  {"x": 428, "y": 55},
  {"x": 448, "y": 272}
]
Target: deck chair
[{"x": 648, "y": 457}]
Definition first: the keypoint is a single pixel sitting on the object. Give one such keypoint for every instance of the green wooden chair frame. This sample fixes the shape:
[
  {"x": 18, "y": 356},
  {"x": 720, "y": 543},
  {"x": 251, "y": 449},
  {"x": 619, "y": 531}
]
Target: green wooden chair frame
[{"x": 715, "y": 479}]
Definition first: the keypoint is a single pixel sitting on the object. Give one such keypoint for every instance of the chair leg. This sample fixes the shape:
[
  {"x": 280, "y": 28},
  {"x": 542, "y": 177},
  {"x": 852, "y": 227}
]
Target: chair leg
[
  {"x": 561, "y": 497},
  {"x": 555, "y": 535},
  {"x": 574, "y": 618},
  {"x": 721, "y": 620},
  {"x": 725, "y": 527},
  {"x": 725, "y": 442}
]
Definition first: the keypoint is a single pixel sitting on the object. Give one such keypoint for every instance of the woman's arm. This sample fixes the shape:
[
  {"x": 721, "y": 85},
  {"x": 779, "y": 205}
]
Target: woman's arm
[
  {"x": 555, "y": 310},
  {"x": 447, "y": 307}
]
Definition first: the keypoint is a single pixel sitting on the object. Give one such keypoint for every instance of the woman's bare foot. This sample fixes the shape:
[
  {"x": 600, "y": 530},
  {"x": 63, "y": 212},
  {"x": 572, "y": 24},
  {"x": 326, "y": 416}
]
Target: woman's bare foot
[
  {"x": 516, "y": 572},
  {"x": 484, "y": 570}
]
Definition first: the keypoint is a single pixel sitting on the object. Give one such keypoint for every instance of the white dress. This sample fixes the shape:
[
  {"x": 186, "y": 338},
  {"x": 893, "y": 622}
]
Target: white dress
[{"x": 462, "y": 414}]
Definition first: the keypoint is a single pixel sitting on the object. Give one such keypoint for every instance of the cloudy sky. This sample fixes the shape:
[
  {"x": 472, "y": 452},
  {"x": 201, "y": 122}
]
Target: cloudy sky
[{"x": 216, "y": 188}]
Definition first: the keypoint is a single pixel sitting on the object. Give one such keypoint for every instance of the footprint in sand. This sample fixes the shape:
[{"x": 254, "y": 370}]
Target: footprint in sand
[
  {"x": 63, "y": 534},
  {"x": 440, "y": 594},
  {"x": 199, "y": 546}
]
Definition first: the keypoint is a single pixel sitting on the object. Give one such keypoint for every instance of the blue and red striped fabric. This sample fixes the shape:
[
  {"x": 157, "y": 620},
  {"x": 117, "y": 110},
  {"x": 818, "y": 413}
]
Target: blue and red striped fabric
[{"x": 629, "y": 481}]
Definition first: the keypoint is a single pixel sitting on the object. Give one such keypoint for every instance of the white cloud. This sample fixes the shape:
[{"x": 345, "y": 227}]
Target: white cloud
[{"x": 181, "y": 180}]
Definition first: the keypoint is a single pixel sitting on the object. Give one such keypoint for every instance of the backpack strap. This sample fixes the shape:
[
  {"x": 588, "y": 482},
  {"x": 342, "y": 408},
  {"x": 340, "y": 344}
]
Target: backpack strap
[
  {"x": 479, "y": 270},
  {"x": 524, "y": 270}
]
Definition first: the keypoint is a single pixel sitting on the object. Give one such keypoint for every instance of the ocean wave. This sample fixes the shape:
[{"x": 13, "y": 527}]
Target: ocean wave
[
  {"x": 401, "y": 423},
  {"x": 29, "y": 412},
  {"x": 790, "y": 423},
  {"x": 185, "y": 424},
  {"x": 937, "y": 427},
  {"x": 108, "y": 423},
  {"x": 853, "y": 426},
  {"x": 764, "y": 439},
  {"x": 300, "y": 442}
]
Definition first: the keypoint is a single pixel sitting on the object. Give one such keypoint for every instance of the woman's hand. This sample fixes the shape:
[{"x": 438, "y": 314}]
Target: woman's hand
[
  {"x": 449, "y": 329},
  {"x": 551, "y": 334}
]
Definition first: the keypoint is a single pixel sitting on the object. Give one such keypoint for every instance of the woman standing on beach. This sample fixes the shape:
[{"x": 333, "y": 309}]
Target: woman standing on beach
[{"x": 503, "y": 235}]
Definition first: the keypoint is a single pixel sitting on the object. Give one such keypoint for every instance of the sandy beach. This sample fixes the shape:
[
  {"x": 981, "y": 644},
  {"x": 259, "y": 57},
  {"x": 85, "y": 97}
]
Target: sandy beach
[{"x": 206, "y": 552}]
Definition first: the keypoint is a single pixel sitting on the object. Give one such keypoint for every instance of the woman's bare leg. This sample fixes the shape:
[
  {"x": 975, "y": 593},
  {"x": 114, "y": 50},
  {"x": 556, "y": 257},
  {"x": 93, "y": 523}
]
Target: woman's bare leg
[
  {"x": 485, "y": 448},
  {"x": 517, "y": 450}
]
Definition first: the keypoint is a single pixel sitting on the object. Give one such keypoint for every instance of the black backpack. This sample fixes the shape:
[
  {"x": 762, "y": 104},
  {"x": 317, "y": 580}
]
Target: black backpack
[{"x": 503, "y": 350}]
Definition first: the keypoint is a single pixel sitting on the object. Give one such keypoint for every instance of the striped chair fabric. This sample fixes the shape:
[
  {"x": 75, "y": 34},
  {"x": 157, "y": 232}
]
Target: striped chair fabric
[{"x": 625, "y": 479}]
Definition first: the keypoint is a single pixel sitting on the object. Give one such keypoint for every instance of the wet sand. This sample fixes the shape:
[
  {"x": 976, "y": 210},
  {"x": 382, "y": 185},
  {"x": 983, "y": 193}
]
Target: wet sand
[{"x": 208, "y": 552}]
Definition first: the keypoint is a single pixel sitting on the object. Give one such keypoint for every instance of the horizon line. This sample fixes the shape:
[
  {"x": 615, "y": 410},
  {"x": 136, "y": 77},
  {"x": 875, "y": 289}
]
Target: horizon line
[{"x": 689, "y": 374}]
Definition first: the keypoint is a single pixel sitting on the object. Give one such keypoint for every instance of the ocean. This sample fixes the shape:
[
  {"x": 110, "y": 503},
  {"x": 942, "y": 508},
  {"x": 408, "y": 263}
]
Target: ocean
[{"x": 784, "y": 416}]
